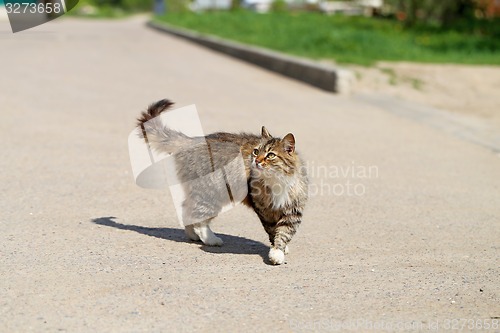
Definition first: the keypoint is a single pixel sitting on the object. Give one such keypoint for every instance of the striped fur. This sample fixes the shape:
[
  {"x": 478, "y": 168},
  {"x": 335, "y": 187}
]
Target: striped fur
[
  {"x": 276, "y": 178},
  {"x": 278, "y": 189}
]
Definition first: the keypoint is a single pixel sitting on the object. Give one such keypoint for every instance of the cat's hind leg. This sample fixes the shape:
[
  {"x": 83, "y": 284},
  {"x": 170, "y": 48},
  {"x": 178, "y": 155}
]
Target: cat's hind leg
[
  {"x": 206, "y": 235},
  {"x": 200, "y": 210},
  {"x": 189, "y": 230}
]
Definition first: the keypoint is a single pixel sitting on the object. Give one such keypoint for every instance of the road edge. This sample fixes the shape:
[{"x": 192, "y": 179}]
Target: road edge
[{"x": 333, "y": 79}]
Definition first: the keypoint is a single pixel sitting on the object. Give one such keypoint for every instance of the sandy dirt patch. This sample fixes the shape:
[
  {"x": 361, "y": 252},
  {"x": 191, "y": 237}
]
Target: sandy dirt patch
[{"x": 464, "y": 89}]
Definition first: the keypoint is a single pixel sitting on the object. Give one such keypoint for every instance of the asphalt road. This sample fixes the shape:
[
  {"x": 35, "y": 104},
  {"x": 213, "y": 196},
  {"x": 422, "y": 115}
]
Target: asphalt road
[{"x": 401, "y": 231}]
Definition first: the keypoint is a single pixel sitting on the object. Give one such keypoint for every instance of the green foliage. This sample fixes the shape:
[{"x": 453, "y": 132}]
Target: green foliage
[
  {"x": 116, "y": 8},
  {"x": 357, "y": 40},
  {"x": 235, "y": 5},
  {"x": 89, "y": 8},
  {"x": 137, "y": 5},
  {"x": 177, "y": 6},
  {"x": 278, "y": 6},
  {"x": 445, "y": 13}
]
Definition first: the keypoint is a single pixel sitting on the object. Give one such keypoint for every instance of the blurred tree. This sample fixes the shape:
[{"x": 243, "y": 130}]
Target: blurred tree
[
  {"x": 235, "y": 5},
  {"x": 279, "y": 6},
  {"x": 444, "y": 12},
  {"x": 177, "y": 6}
]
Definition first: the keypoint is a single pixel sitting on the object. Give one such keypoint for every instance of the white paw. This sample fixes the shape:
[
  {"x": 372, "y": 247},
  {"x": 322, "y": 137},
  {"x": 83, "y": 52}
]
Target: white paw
[
  {"x": 286, "y": 249},
  {"x": 213, "y": 241},
  {"x": 276, "y": 256}
]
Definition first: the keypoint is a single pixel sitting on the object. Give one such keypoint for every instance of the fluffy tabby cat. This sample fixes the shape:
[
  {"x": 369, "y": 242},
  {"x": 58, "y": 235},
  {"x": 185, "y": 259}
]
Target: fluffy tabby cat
[{"x": 274, "y": 178}]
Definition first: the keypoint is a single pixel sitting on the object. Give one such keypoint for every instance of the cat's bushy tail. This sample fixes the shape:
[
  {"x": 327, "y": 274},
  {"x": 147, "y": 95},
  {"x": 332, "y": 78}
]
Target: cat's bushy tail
[{"x": 157, "y": 135}]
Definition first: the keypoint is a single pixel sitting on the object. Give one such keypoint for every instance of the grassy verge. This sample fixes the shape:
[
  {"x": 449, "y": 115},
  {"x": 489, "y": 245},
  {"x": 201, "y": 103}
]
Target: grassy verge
[
  {"x": 107, "y": 9},
  {"x": 356, "y": 40},
  {"x": 100, "y": 13}
]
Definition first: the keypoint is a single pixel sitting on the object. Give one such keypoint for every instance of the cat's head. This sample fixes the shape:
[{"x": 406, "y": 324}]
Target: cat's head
[{"x": 275, "y": 154}]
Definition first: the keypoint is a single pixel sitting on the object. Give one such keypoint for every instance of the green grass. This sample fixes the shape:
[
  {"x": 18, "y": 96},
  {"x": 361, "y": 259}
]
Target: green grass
[
  {"x": 356, "y": 40},
  {"x": 110, "y": 9},
  {"x": 103, "y": 12}
]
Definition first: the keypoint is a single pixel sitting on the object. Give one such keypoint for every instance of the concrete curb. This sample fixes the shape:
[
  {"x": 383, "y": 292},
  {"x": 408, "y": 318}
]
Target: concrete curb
[{"x": 322, "y": 76}]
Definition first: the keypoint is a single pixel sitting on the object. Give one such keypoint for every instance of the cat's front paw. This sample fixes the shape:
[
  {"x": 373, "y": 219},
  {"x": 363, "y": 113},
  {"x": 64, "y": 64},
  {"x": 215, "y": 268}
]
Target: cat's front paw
[{"x": 276, "y": 256}]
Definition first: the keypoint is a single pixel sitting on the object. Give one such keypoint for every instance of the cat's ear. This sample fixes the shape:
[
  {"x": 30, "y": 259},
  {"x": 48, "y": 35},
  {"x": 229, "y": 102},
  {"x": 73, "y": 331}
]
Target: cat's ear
[
  {"x": 265, "y": 133},
  {"x": 289, "y": 143}
]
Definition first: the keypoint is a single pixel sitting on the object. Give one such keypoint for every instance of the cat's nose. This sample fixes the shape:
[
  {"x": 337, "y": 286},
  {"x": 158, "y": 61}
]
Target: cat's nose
[{"x": 258, "y": 162}]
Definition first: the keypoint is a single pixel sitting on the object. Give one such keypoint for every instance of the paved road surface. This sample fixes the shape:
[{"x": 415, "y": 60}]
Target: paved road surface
[{"x": 84, "y": 249}]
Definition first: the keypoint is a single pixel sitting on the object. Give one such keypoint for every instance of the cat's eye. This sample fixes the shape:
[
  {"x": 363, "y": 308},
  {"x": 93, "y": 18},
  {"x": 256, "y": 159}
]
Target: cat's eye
[
  {"x": 271, "y": 156},
  {"x": 255, "y": 152}
]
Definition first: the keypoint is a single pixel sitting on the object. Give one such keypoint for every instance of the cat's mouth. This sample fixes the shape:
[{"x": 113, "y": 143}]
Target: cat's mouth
[{"x": 263, "y": 170}]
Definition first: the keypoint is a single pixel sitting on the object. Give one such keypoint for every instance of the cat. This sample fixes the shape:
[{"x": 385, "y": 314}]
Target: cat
[{"x": 272, "y": 178}]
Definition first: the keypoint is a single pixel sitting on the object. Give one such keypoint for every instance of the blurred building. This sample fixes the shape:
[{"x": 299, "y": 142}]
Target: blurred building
[
  {"x": 200, "y": 5},
  {"x": 355, "y": 7},
  {"x": 349, "y": 7}
]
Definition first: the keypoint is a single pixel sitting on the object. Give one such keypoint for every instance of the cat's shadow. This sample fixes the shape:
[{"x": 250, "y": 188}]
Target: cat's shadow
[{"x": 232, "y": 244}]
